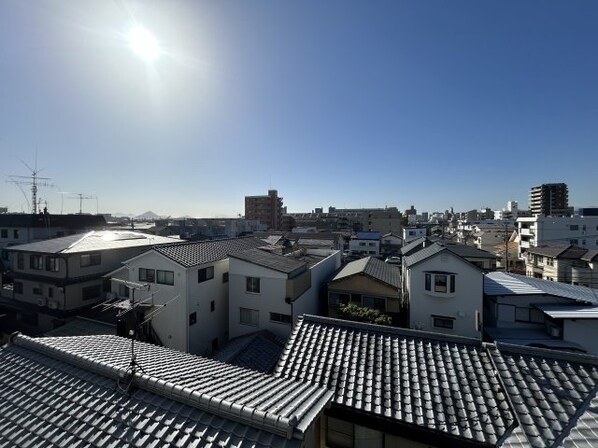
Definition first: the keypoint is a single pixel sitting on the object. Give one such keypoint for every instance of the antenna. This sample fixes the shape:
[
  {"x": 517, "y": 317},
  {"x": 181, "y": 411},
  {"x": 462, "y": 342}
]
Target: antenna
[
  {"x": 33, "y": 180},
  {"x": 81, "y": 197}
]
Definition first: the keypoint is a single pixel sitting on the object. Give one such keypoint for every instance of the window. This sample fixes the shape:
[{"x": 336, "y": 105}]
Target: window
[
  {"x": 4, "y": 233},
  {"x": 15, "y": 234},
  {"x": 17, "y": 287},
  {"x": 51, "y": 292},
  {"x": 36, "y": 262},
  {"x": 443, "y": 322},
  {"x": 205, "y": 274},
  {"x": 440, "y": 283},
  {"x": 193, "y": 318},
  {"x": 575, "y": 242},
  {"x": 550, "y": 261},
  {"x": 212, "y": 306},
  {"x": 92, "y": 259},
  {"x": 248, "y": 317},
  {"x": 428, "y": 282},
  {"x": 375, "y": 302},
  {"x": 37, "y": 290},
  {"x": 91, "y": 292},
  {"x": 371, "y": 244},
  {"x": 253, "y": 285},
  {"x": 362, "y": 243},
  {"x": 335, "y": 298},
  {"x": 147, "y": 275},
  {"x": 20, "y": 261},
  {"x": 225, "y": 277},
  {"x": 53, "y": 264},
  {"x": 573, "y": 227},
  {"x": 166, "y": 277},
  {"x": 280, "y": 318}
]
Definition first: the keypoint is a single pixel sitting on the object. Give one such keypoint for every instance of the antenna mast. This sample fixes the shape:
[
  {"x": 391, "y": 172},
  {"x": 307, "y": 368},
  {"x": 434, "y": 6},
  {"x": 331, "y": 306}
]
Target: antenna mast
[{"x": 34, "y": 181}]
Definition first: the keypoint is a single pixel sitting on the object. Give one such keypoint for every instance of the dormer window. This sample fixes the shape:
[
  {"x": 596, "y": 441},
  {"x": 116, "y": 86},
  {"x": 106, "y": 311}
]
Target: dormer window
[{"x": 440, "y": 282}]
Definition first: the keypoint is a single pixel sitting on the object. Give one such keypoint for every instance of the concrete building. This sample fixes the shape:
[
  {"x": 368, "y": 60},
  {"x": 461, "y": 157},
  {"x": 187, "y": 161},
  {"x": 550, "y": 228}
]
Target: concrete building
[
  {"x": 549, "y": 200},
  {"x": 266, "y": 209},
  {"x": 564, "y": 264},
  {"x": 364, "y": 244}
]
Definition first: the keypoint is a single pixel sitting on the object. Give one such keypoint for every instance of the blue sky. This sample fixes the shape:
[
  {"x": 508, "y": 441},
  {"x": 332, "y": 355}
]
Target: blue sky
[{"x": 343, "y": 103}]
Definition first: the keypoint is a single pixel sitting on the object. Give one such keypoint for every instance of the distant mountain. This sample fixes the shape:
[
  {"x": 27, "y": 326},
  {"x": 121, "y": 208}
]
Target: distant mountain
[
  {"x": 147, "y": 216},
  {"x": 122, "y": 215}
]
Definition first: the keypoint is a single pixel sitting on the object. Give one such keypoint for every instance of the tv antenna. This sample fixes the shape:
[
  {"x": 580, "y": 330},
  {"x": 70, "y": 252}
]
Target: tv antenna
[
  {"x": 82, "y": 197},
  {"x": 33, "y": 180}
]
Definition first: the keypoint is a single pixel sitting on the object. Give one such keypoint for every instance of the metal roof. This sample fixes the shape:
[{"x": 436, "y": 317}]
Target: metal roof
[
  {"x": 190, "y": 254},
  {"x": 559, "y": 311},
  {"x": 64, "y": 391},
  {"x": 367, "y": 236},
  {"x": 435, "y": 382},
  {"x": 92, "y": 241},
  {"x": 372, "y": 267},
  {"x": 280, "y": 263},
  {"x": 507, "y": 284}
]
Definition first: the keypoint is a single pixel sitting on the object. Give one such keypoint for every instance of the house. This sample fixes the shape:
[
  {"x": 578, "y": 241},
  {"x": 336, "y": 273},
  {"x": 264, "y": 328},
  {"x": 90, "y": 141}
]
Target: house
[
  {"x": 86, "y": 391},
  {"x": 56, "y": 278},
  {"x": 413, "y": 233},
  {"x": 540, "y": 313},
  {"x": 444, "y": 289},
  {"x": 391, "y": 244},
  {"x": 563, "y": 263},
  {"x": 487, "y": 236},
  {"x": 187, "y": 291},
  {"x": 368, "y": 282},
  {"x": 399, "y": 387},
  {"x": 267, "y": 291},
  {"x": 365, "y": 243}
]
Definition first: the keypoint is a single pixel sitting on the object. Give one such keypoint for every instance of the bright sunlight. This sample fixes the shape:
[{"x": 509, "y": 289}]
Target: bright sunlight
[{"x": 143, "y": 43}]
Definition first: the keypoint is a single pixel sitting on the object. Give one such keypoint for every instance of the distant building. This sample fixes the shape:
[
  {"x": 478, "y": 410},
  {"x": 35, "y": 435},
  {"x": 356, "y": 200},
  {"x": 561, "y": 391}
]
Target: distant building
[
  {"x": 365, "y": 243},
  {"x": 549, "y": 200},
  {"x": 266, "y": 209}
]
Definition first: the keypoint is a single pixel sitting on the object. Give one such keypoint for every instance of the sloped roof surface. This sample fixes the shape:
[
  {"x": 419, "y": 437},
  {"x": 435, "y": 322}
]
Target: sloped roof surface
[
  {"x": 385, "y": 272},
  {"x": 81, "y": 326},
  {"x": 70, "y": 381},
  {"x": 190, "y": 254},
  {"x": 48, "y": 220},
  {"x": 411, "y": 246},
  {"x": 268, "y": 260},
  {"x": 258, "y": 351},
  {"x": 507, "y": 284},
  {"x": 436, "y": 382},
  {"x": 590, "y": 255},
  {"x": 422, "y": 254},
  {"x": 551, "y": 393},
  {"x": 93, "y": 241},
  {"x": 563, "y": 251},
  {"x": 466, "y": 251}
]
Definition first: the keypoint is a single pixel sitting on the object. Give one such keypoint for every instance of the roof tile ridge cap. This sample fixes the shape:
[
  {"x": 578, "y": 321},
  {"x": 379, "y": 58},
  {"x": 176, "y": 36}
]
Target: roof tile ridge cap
[
  {"x": 581, "y": 358},
  {"x": 573, "y": 421},
  {"x": 60, "y": 354},
  {"x": 211, "y": 403}
]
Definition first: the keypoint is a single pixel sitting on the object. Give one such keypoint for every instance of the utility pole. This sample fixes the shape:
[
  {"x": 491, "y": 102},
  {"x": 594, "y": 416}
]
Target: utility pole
[{"x": 506, "y": 249}]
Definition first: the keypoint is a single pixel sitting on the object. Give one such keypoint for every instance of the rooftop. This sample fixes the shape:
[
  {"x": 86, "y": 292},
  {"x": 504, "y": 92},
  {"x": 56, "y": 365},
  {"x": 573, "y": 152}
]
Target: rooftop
[
  {"x": 563, "y": 251},
  {"x": 281, "y": 263},
  {"x": 372, "y": 267},
  {"x": 49, "y": 220}
]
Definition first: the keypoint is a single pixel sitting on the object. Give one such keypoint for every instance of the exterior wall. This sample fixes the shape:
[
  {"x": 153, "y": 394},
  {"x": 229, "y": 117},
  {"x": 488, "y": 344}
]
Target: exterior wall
[
  {"x": 461, "y": 305},
  {"x": 410, "y": 234},
  {"x": 358, "y": 286},
  {"x": 583, "y": 332},
  {"x": 510, "y": 311},
  {"x": 364, "y": 247},
  {"x": 321, "y": 273}
]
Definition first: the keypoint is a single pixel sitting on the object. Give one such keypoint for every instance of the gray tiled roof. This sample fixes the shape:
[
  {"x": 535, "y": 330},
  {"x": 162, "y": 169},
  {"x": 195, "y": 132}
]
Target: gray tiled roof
[
  {"x": 64, "y": 390},
  {"x": 92, "y": 241},
  {"x": 257, "y": 351},
  {"x": 466, "y": 251},
  {"x": 81, "y": 326},
  {"x": 280, "y": 263},
  {"x": 422, "y": 254},
  {"x": 385, "y": 272},
  {"x": 590, "y": 255},
  {"x": 190, "y": 254},
  {"x": 507, "y": 284},
  {"x": 439, "y": 383},
  {"x": 563, "y": 251},
  {"x": 549, "y": 391},
  {"x": 412, "y": 245}
]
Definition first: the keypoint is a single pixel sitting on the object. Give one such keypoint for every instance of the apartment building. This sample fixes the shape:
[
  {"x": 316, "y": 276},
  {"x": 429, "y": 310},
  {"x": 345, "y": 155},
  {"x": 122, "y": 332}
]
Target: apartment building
[
  {"x": 549, "y": 200},
  {"x": 266, "y": 209}
]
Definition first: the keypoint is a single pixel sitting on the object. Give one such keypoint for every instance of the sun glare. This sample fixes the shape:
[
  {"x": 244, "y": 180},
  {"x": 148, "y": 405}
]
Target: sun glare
[{"x": 143, "y": 43}]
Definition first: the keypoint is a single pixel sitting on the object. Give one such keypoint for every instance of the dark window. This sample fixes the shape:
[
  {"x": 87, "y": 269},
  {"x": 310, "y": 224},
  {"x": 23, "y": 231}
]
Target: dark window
[
  {"x": 452, "y": 278},
  {"x": 375, "y": 302},
  {"x": 36, "y": 262},
  {"x": 91, "y": 292},
  {"x": 205, "y": 274},
  {"x": 147, "y": 275},
  {"x": 4, "y": 233},
  {"x": 248, "y": 317},
  {"x": 428, "y": 282},
  {"x": 253, "y": 285},
  {"x": 225, "y": 277},
  {"x": 192, "y": 318},
  {"x": 17, "y": 287},
  {"x": 92, "y": 259},
  {"x": 281, "y": 318},
  {"x": 16, "y": 234},
  {"x": 212, "y": 306},
  {"x": 443, "y": 322},
  {"x": 574, "y": 227},
  {"x": 37, "y": 290},
  {"x": 50, "y": 292},
  {"x": 52, "y": 264},
  {"x": 440, "y": 283},
  {"x": 166, "y": 277}
]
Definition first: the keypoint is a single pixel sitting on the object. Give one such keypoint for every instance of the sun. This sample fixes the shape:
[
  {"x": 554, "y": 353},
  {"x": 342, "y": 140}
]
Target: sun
[{"x": 143, "y": 43}]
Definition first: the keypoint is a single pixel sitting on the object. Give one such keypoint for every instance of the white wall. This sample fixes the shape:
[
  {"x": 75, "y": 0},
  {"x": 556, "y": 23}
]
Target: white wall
[
  {"x": 462, "y": 305},
  {"x": 583, "y": 332}
]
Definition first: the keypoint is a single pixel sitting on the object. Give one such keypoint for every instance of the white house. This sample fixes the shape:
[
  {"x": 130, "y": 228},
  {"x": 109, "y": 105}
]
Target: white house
[
  {"x": 444, "y": 292},
  {"x": 364, "y": 244},
  {"x": 268, "y": 291},
  {"x": 188, "y": 291},
  {"x": 413, "y": 233}
]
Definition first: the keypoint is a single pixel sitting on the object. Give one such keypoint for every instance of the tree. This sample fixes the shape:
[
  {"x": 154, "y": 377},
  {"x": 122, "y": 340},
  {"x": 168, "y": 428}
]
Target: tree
[{"x": 363, "y": 314}]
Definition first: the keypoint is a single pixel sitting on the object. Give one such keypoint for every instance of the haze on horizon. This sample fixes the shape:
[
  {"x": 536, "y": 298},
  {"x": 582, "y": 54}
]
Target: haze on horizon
[{"x": 341, "y": 103}]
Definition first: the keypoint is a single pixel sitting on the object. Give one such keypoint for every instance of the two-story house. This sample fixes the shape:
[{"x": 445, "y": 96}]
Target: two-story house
[
  {"x": 56, "y": 278},
  {"x": 267, "y": 291},
  {"x": 364, "y": 244},
  {"x": 564, "y": 263}
]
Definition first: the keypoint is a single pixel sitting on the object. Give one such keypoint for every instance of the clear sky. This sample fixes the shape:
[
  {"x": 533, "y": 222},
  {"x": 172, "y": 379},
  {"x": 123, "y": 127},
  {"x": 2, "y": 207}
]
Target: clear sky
[{"x": 336, "y": 102}]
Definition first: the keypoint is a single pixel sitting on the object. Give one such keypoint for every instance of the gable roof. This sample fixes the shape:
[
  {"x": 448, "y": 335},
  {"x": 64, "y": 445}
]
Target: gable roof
[
  {"x": 590, "y": 255},
  {"x": 508, "y": 284},
  {"x": 437, "y": 383},
  {"x": 280, "y": 263},
  {"x": 257, "y": 351},
  {"x": 92, "y": 241},
  {"x": 194, "y": 253},
  {"x": 372, "y": 267},
  {"x": 410, "y": 247},
  {"x": 64, "y": 391},
  {"x": 569, "y": 251}
]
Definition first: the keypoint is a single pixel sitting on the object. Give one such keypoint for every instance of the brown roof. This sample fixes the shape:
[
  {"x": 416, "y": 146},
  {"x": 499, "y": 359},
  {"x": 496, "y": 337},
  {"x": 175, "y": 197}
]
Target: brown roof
[{"x": 564, "y": 251}]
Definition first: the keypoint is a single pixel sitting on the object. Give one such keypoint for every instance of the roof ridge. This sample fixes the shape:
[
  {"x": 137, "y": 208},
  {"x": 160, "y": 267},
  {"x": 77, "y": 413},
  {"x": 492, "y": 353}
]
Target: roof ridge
[
  {"x": 388, "y": 329},
  {"x": 561, "y": 355},
  {"x": 574, "y": 420},
  {"x": 268, "y": 421}
]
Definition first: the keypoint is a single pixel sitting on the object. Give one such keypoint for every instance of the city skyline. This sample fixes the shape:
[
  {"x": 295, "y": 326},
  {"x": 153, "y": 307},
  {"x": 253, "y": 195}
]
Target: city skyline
[{"x": 345, "y": 104}]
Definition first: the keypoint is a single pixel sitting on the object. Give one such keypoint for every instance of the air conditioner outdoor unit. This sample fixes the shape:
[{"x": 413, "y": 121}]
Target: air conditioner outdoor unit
[
  {"x": 52, "y": 305},
  {"x": 41, "y": 302}
]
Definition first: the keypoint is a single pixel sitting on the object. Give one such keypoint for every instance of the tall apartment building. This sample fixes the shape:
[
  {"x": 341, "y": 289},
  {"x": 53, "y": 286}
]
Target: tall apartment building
[
  {"x": 549, "y": 200},
  {"x": 266, "y": 209}
]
